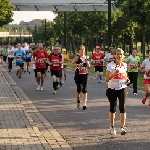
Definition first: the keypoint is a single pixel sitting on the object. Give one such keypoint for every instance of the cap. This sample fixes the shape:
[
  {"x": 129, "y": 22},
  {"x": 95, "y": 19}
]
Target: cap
[
  {"x": 97, "y": 47},
  {"x": 63, "y": 50}
]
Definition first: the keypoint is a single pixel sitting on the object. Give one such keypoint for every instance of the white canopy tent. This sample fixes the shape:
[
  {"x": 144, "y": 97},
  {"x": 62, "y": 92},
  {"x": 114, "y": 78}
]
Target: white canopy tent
[{"x": 61, "y": 5}]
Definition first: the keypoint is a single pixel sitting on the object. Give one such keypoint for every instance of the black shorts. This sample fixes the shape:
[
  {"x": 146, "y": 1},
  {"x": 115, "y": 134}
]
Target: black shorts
[
  {"x": 65, "y": 66},
  {"x": 60, "y": 73},
  {"x": 1, "y": 54},
  {"x": 99, "y": 68},
  {"x": 4, "y": 58},
  {"x": 55, "y": 73},
  {"x": 28, "y": 60},
  {"x": 35, "y": 72},
  {"x": 47, "y": 65},
  {"x": 41, "y": 70}
]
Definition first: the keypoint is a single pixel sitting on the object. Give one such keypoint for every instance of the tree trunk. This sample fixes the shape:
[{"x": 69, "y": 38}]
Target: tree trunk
[{"x": 143, "y": 42}]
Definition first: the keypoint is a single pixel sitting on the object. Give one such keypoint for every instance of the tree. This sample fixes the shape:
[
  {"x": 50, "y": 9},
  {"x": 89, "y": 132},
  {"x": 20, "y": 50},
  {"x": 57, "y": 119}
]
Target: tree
[{"x": 6, "y": 13}]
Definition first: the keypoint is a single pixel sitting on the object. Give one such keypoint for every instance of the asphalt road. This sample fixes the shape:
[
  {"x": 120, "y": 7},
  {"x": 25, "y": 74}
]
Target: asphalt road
[{"x": 89, "y": 129}]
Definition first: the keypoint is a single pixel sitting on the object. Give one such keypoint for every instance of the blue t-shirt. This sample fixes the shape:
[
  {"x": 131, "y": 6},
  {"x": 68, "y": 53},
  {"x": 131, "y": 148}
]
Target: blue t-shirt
[
  {"x": 28, "y": 55},
  {"x": 19, "y": 56}
]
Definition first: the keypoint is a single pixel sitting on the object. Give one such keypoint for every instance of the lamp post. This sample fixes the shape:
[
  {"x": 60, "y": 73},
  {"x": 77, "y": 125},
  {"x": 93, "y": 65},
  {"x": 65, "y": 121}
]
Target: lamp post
[
  {"x": 45, "y": 32},
  {"x": 109, "y": 23},
  {"x": 65, "y": 22}
]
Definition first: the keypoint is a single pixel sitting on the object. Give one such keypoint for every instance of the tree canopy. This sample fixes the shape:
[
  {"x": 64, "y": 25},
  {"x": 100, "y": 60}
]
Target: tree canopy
[{"x": 6, "y": 13}]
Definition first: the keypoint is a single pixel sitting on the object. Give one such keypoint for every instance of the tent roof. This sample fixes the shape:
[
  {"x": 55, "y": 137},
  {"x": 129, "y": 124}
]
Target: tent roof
[{"x": 61, "y": 5}]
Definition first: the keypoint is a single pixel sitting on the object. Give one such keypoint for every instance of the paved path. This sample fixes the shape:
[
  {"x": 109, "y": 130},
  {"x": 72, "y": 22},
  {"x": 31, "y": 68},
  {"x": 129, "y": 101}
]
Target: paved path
[{"x": 58, "y": 119}]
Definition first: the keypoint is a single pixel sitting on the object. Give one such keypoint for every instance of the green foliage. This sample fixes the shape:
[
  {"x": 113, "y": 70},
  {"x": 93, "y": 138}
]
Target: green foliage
[{"x": 6, "y": 13}]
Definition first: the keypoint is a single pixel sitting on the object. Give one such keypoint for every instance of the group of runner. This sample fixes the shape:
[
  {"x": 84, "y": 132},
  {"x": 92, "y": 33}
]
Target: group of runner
[
  {"x": 120, "y": 72},
  {"x": 42, "y": 60}
]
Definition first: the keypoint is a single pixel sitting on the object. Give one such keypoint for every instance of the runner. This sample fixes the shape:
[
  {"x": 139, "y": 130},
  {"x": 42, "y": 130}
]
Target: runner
[
  {"x": 55, "y": 62},
  {"x": 40, "y": 62},
  {"x": 28, "y": 57},
  {"x": 47, "y": 64},
  {"x": 61, "y": 71},
  {"x": 109, "y": 57},
  {"x": 10, "y": 57},
  {"x": 5, "y": 54},
  {"x": 97, "y": 60},
  {"x": 81, "y": 75},
  {"x": 145, "y": 67},
  {"x": 66, "y": 59},
  {"x": 116, "y": 76},
  {"x": 19, "y": 56},
  {"x": 133, "y": 62},
  {"x": 34, "y": 67}
]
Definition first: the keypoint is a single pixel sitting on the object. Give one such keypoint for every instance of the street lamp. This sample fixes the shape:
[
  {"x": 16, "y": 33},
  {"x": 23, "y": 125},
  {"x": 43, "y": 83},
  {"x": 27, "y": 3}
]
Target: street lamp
[{"x": 109, "y": 23}]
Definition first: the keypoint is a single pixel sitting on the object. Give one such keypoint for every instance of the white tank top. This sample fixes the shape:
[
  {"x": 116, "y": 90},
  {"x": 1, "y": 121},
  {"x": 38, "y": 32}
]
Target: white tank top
[{"x": 118, "y": 82}]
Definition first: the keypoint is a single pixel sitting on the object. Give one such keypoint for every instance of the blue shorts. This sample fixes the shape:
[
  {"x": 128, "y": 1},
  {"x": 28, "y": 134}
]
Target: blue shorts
[{"x": 20, "y": 64}]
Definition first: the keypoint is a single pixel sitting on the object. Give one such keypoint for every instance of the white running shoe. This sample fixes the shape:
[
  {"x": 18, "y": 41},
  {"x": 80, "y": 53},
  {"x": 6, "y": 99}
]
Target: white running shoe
[
  {"x": 41, "y": 88},
  {"x": 123, "y": 131},
  {"x": 38, "y": 88},
  {"x": 134, "y": 93},
  {"x": 112, "y": 131}
]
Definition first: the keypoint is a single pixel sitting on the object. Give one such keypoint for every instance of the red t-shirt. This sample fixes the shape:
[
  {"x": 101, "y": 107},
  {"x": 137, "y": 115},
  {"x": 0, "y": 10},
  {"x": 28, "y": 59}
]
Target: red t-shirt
[
  {"x": 97, "y": 58},
  {"x": 55, "y": 59},
  {"x": 40, "y": 55}
]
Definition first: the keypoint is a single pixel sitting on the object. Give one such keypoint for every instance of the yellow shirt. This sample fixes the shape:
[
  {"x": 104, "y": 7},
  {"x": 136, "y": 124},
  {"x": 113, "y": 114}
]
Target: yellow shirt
[
  {"x": 66, "y": 58},
  {"x": 48, "y": 52}
]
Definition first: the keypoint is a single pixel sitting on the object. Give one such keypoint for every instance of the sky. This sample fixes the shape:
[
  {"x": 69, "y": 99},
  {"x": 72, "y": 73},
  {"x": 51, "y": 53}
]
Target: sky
[{"x": 27, "y": 16}]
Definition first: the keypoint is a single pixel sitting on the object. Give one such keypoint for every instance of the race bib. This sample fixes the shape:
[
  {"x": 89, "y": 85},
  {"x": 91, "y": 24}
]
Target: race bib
[
  {"x": 133, "y": 66},
  {"x": 119, "y": 76},
  {"x": 83, "y": 70},
  {"x": 55, "y": 62},
  {"x": 148, "y": 74},
  {"x": 19, "y": 57},
  {"x": 29, "y": 55},
  {"x": 40, "y": 61}
]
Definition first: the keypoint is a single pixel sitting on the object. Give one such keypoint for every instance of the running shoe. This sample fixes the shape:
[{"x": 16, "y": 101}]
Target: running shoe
[
  {"x": 144, "y": 100},
  {"x": 148, "y": 105},
  {"x": 41, "y": 88},
  {"x": 54, "y": 92},
  {"x": 84, "y": 107},
  {"x": 78, "y": 104},
  {"x": 134, "y": 93},
  {"x": 38, "y": 88},
  {"x": 100, "y": 78},
  {"x": 112, "y": 131},
  {"x": 123, "y": 131},
  {"x": 98, "y": 83}
]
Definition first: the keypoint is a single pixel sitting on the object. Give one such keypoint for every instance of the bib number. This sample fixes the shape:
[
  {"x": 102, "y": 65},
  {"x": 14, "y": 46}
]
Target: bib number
[
  {"x": 40, "y": 61},
  {"x": 132, "y": 66},
  {"x": 83, "y": 70},
  {"x": 119, "y": 76},
  {"x": 148, "y": 74}
]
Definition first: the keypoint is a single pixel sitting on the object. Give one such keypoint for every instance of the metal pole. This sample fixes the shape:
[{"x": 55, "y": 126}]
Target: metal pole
[
  {"x": 29, "y": 35},
  {"x": 65, "y": 28},
  {"x": 109, "y": 23},
  {"x": 35, "y": 35},
  {"x": 45, "y": 32}
]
